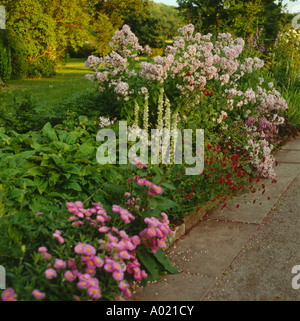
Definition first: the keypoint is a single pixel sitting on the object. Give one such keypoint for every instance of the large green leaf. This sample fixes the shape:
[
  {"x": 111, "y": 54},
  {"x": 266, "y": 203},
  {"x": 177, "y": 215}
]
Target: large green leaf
[
  {"x": 150, "y": 263},
  {"x": 85, "y": 150},
  {"x": 165, "y": 262},
  {"x": 49, "y": 132}
]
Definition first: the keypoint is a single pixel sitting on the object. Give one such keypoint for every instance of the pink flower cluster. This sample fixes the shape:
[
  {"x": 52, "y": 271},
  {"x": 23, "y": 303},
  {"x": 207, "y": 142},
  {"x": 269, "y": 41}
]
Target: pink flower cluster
[
  {"x": 58, "y": 237},
  {"x": 124, "y": 213},
  {"x": 155, "y": 235},
  {"x": 95, "y": 216},
  {"x": 152, "y": 188},
  {"x": 122, "y": 257}
]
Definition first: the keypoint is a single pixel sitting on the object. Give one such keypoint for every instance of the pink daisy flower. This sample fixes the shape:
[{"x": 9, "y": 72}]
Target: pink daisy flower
[
  {"x": 79, "y": 248},
  {"x": 135, "y": 240},
  {"x": 69, "y": 276},
  {"x": 82, "y": 284},
  {"x": 8, "y": 295},
  {"x": 89, "y": 250},
  {"x": 118, "y": 275},
  {"x": 123, "y": 285},
  {"x": 98, "y": 261},
  {"x": 94, "y": 292},
  {"x": 59, "y": 264},
  {"x": 38, "y": 295},
  {"x": 141, "y": 181},
  {"x": 42, "y": 249},
  {"x": 157, "y": 189},
  {"x": 50, "y": 274},
  {"x": 108, "y": 267}
]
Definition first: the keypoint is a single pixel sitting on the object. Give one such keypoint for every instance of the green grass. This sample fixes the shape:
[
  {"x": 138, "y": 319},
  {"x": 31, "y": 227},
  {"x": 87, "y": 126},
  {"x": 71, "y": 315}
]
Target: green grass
[{"x": 70, "y": 79}]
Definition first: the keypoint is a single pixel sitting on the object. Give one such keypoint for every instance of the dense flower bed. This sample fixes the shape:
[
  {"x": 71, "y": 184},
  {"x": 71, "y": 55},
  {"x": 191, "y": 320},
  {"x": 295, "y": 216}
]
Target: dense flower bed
[{"x": 116, "y": 235}]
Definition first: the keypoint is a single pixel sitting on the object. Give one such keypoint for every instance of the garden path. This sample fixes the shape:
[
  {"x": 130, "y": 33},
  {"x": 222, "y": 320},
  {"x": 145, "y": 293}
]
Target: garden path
[{"x": 244, "y": 254}]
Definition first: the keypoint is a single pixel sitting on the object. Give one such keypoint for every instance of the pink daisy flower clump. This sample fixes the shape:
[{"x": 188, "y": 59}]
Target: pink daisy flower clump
[
  {"x": 155, "y": 235},
  {"x": 122, "y": 258},
  {"x": 152, "y": 188},
  {"x": 96, "y": 216}
]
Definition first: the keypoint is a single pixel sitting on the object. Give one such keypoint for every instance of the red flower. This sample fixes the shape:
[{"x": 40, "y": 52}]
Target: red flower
[
  {"x": 188, "y": 74},
  {"x": 238, "y": 205},
  {"x": 209, "y": 146},
  {"x": 221, "y": 181}
]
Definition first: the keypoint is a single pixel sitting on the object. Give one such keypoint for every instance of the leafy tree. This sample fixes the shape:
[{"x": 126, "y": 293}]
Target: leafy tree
[
  {"x": 102, "y": 31},
  {"x": 242, "y": 17},
  {"x": 47, "y": 27}
]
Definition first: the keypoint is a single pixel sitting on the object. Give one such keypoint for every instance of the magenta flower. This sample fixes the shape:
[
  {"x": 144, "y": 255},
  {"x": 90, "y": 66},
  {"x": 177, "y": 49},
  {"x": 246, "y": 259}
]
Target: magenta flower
[
  {"x": 116, "y": 208},
  {"x": 124, "y": 255},
  {"x": 79, "y": 248},
  {"x": 90, "y": 271},
  {"x": 9, "y": 295},
  {"x": 47, "y": 256},
  {"x": 50, "y": 274},
  {"x": 82, "y": 284},
  {"x": 103, "y": 229},
  {"x": 118, "y": 275},
  {"x": 148, "y": 184},
  {"x": 135, "y": 240},
  {"x": 157, "y": 189},
  {"x": 71, "y": 263},
  {"x": 89, "y": 250},
  {"x": 93, "y": 282},
  {"x": 98, "y": 261},
  {"x": 38, "y": 295},
  {"x": 42, "y": 249},
  {"x": 94, "y": 292},
  {"x": 141, "y": 181},
  {"x": 108, "y": 267},
  {"x": 69, "y": 276},
  {"x": 123, "y": 285},
  {"x": 40, "y": 213},
  {"x": 60, "y": 264}
]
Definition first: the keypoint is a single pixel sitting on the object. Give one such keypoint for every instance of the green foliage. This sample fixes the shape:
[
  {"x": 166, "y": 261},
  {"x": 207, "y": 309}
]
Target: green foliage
[
  {"x": 238, "y": 17},
  {"x": 5, "y": 62},
  {"x": 43, "y": 67},
  {"x": 102, "y": 32},
  {"x": 55, "y": 163},
  {"x": 47, "y": 29}
]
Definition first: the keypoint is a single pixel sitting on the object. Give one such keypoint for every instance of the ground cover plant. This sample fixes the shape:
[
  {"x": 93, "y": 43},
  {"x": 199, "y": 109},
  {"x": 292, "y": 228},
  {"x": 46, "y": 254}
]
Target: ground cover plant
[{"x": 74, "y": 228}]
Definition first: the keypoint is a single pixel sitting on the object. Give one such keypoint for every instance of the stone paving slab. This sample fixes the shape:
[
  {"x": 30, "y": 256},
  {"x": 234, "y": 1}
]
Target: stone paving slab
[
  {"x": 263, "y": 269},
  {"x": 288, "y": 156},
  {"x": 175, "y": 287},
  {"x": 202, "y": 256},
  {"x": 287, "y": 169},
  {"x": 294, "y": 143}
]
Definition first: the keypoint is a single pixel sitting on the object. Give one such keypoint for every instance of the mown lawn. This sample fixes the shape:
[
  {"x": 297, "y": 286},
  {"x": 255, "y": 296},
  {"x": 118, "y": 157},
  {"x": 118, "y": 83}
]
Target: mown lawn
[{"x": 69, "y": 79}]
